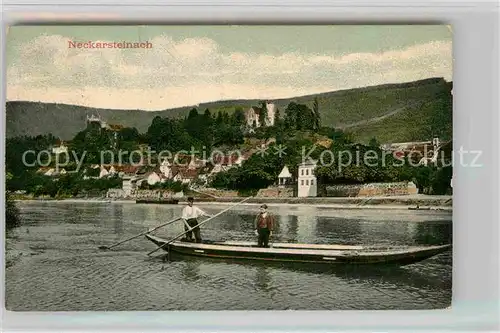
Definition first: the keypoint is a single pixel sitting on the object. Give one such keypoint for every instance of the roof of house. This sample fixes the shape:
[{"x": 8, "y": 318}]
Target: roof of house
[
  {"x": 231, "y": 159},
  {"x": 190, "y": 174},
  {"x": 44, "y": 169},
  {"x": 285, "y": 173},
  {"x": 128, "y": 169},
  {"x": 308, "y": 162}
]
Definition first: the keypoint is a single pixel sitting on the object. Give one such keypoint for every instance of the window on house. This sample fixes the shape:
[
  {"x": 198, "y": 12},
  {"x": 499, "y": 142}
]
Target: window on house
[
  {"x": 307, "y": 172},
  {"x": 302, "y": 172},
  {"x": 312, "y": 182},
  {"x": 302, "y": 182},
  {"x": 307, "y": 181}
]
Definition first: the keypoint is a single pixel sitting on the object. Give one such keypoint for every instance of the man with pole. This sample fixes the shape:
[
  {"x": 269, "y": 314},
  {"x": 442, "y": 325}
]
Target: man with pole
[{"x": 190, "y": 215}]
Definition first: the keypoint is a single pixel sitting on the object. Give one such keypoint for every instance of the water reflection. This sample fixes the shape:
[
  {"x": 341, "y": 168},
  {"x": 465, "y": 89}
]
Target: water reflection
[
  {"x": 433, "y": 233},
  {"x": 340, "y": 230},
  {"x": 236, "y": 221},
  {"x": 392, "y": 276},
  {"x": 190, "y": 270},
  {"x": 263, "y": 278},
  {"x": 306, "y": 228},
  {"x": 117, "y": 213}
]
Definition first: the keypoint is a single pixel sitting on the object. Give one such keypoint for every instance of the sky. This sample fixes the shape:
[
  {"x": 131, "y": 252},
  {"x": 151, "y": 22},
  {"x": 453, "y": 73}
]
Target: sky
[{"x": 187, "y": 65}]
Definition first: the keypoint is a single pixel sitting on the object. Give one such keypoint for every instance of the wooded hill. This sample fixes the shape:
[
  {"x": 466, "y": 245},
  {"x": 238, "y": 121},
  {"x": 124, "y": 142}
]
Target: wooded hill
[{"x": 410, "y": 111}]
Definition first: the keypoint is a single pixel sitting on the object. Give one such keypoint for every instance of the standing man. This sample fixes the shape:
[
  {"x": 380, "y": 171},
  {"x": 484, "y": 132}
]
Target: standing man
[
  {"x": 190, "y": 214},
  {"x": 264, "y": 225}
]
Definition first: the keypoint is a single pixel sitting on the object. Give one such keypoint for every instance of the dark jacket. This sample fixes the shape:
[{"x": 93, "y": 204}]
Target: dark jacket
[{"x": 264, "y": 222}]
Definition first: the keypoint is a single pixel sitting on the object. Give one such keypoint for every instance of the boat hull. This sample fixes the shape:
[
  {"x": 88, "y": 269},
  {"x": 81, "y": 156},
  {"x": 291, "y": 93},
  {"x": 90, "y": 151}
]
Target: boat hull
[{"x": 304, "y": 253}]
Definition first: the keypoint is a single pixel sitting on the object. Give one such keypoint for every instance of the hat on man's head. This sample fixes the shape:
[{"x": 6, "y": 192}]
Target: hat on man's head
[
  {"x": 264, "y": 206},
  {"x": 190, "y": 199}
]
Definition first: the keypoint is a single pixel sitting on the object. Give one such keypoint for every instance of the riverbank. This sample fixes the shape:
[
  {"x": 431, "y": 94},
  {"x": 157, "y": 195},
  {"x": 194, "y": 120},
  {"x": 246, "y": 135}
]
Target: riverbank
[{"x": 423, "y": 202}]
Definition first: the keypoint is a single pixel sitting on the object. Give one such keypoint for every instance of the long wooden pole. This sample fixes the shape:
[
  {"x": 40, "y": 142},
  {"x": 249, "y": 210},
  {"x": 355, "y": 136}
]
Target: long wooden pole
[
  {"x": 103, "y": 247},
  {"x": 199, "y": 224}
]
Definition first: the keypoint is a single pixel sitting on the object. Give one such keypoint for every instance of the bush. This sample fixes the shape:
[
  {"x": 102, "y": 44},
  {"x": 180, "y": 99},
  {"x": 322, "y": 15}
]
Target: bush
[{"x": 12, "y": 216}]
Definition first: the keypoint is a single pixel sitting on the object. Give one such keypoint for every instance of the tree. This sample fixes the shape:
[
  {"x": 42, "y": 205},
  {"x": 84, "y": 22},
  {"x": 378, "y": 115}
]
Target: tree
[
  {"x": 316, "y": 115},
  {"x": 299, "y": 117},
  {"x": 193, "y": 113},
  {"x": 130, "y": 134},
  {"x": 168, "y": 134},
  {"x": 12, "y": 215},
  {"x": 263, "y": 113},
  {"x": 277, "y": 118},
  {"x": 219, "y": 119},
  {"x": 207, "y": 117},
  {"x": 230, "y": 135},
  {"x": 374, "y": 143},
  {"x": 239, "y": 117}
]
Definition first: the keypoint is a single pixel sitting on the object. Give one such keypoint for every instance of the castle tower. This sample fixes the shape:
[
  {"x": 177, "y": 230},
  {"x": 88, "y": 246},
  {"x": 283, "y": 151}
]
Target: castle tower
[{"x": 271, "y": 111}]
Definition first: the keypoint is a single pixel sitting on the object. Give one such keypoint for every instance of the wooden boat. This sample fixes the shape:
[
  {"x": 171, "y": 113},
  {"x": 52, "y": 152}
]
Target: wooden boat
[
  {"x": 158, "y": 201},
  {"x": 305, "y": 253}
]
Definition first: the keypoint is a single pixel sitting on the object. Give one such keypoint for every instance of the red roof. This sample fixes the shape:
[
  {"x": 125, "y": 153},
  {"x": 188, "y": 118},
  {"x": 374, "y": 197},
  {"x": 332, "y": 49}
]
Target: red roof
[
  {"x": 225, "y": 160},
  {"x": 129, "y": 169}
]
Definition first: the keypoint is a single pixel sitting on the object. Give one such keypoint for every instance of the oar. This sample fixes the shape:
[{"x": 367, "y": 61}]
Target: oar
[
  {"x": 199, "y": 224},
  {"x": 103, "y": 247}
]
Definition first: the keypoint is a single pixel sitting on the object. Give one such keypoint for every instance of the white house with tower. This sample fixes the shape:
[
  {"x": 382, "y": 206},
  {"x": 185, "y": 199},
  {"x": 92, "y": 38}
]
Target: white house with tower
[{"x": 307, "y": 183}]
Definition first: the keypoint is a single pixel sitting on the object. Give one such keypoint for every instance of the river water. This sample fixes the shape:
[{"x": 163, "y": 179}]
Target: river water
[{"x": 54, "y": 263}]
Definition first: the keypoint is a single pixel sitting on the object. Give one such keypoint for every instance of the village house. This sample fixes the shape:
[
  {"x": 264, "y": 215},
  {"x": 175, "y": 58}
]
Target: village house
[
  {"x": 224, "y": 163},
  {"x": 165, "y": 169},
  {"x": 307, "y": 182},
  {"x": 128, "y": 185},
  {"x": 153, "y": 178},
  {"x": 186, "y": 176},
  {"x": 252, "y": 116},
  {"x": 421, "y": 152},
  {"x": 51, "y": 172}
]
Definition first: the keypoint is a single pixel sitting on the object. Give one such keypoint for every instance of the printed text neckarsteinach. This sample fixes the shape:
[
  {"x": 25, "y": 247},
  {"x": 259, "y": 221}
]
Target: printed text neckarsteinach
[{"x": 109, "y": 45}]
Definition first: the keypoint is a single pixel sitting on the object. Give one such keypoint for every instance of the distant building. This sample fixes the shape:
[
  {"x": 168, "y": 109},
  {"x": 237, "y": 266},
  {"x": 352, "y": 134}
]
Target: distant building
[
  {"x": 423, "y": 152},
  {"x": 95, "y": 122},
  {"x": 285, "y": 177},
  {"x": 307, "y": 182},
  {"x": 153, "y": 178},
  {"x": 61, "y": 149},
  {"x": 252, "y": 115},
  {"x": 165, "y": 169},
  {"x": 128, "y": 185},
  {"x": 103, "y": 172}
]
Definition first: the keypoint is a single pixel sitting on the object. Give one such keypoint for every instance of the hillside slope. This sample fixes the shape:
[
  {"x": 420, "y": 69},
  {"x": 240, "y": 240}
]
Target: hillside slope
[{"x": 392, "y": 112}]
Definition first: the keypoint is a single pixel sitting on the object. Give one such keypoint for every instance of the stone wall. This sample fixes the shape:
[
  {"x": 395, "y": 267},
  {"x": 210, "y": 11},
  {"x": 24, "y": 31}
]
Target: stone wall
[
  {"x": 140, "y": 194},
  {"x": 371, "y": 190},
  {"x": 115, "y": 193},
  {"x": 275, "y": 192},
  {"x": 218, "y": 193}
]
